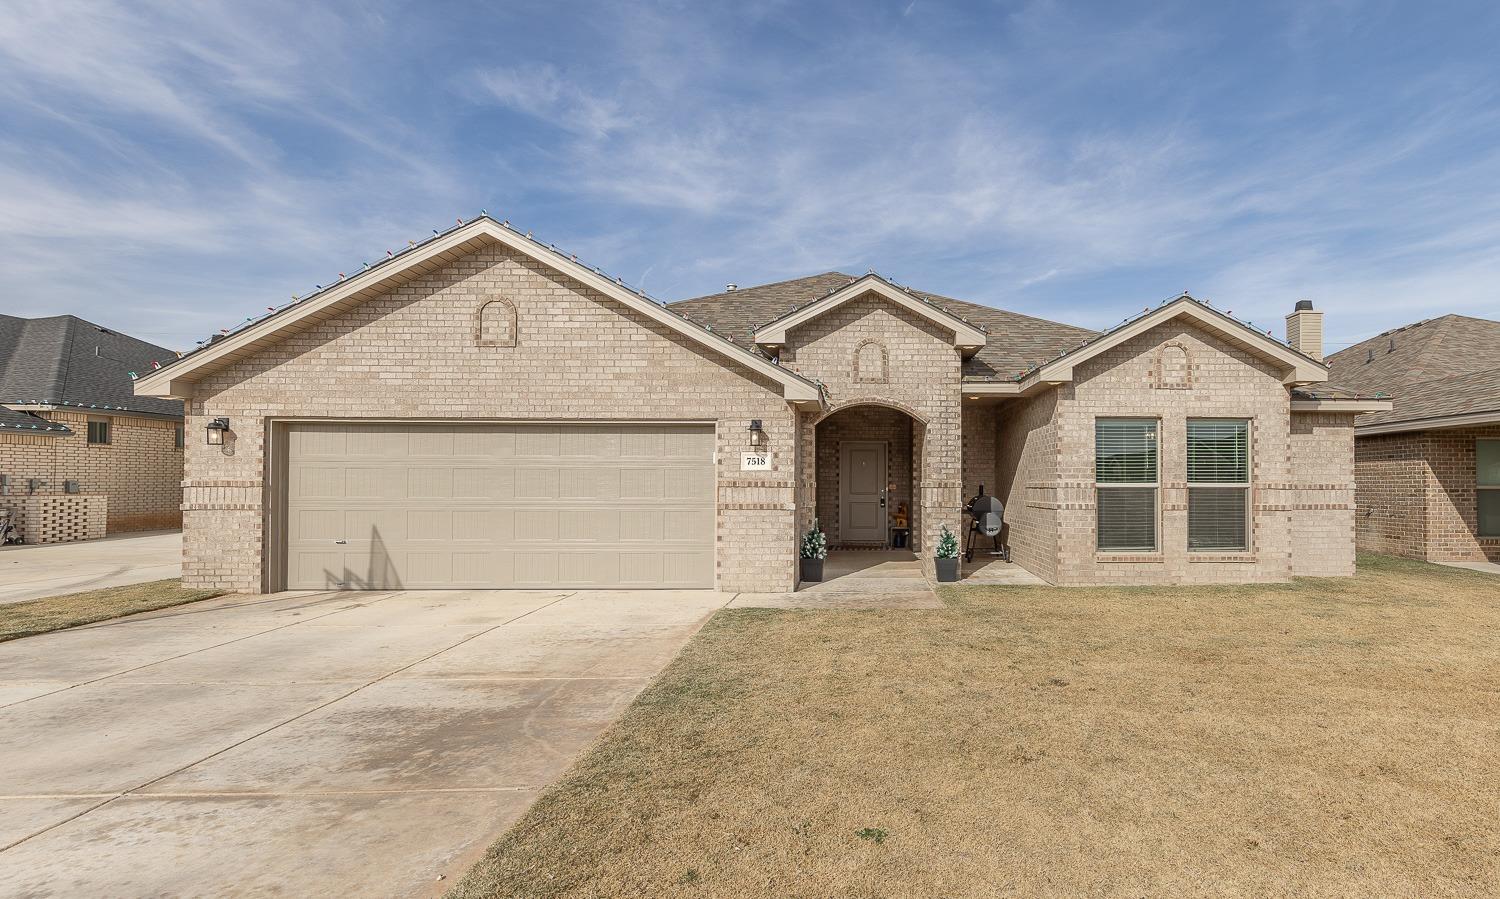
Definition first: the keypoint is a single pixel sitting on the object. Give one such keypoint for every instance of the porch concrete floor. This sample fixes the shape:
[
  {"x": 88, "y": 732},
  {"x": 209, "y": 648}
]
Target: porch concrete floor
[
  {"x": 1486, "y": 567},
  {"x": 990, "y": 570},
  {"x": 857, "y": 579}
]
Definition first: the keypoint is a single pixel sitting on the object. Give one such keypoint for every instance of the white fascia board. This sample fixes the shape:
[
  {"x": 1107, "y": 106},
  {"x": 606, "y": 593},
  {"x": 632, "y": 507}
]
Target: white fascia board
[
  {"x": 173, "y": 380},
  {"x": 965, "y": 336},
  {"x": 1430, "y": 424},
  {"x": 1334, "y": 405},
  {"x": 1299, "y": 369}
]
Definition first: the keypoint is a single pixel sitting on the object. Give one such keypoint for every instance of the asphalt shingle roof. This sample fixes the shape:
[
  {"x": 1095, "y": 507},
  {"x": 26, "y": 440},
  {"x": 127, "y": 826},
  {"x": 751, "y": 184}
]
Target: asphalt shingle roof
[
  {"x": 12, "y": 421},
  {"x": 1015, "y": 342},
  {"x": 66, "y": 361},
  {"x": 1431, "y": 369}
]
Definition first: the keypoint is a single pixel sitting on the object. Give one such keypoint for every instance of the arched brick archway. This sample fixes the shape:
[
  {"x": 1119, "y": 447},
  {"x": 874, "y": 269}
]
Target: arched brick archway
[{"x": 831, "y": 440}]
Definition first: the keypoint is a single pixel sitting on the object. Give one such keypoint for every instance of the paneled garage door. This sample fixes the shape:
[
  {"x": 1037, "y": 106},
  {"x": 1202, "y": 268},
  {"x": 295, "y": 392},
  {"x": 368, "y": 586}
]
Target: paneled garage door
[{"x": 389, "y": 506}]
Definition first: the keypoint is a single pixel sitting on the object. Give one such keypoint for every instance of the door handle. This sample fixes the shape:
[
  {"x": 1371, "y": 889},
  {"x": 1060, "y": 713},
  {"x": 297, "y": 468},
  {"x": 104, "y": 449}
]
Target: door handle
[{"x": 341, "y": 541}]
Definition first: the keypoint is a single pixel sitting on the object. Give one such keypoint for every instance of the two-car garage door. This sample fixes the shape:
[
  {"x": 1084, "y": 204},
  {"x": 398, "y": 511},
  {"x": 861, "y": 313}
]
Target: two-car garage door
[{"x": 374, "y": 506}]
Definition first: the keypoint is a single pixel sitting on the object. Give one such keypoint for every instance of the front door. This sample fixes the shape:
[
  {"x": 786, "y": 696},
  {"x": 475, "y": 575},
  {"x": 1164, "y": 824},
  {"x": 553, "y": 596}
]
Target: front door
[{"x": 862, "y": 487}]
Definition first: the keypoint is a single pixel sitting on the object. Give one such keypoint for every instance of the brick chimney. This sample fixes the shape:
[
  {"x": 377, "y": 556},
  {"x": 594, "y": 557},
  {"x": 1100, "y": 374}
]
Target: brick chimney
[{"x": 1304, "y": 330}]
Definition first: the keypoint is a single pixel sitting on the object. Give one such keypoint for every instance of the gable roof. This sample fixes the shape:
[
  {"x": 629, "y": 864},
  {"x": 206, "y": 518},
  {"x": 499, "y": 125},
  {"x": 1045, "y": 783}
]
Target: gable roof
[
  {"x": 1437, "y": 369},
  {"x": 966, "y": 336},
  {"x": 1297, "y": 369},
  {"x": 64, "y": 360},
  {"x": 1013, "y": 342},
  {"x": 177, "y": 379}
]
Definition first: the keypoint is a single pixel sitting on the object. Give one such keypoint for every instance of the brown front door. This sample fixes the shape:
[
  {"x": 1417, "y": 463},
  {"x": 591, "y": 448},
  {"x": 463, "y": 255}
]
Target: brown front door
[{"x": 862, "y": 477}]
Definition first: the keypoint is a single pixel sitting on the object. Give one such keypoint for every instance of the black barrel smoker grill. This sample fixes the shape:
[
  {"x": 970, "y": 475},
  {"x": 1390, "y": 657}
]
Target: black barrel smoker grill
[{"x": 986, "y": 516}]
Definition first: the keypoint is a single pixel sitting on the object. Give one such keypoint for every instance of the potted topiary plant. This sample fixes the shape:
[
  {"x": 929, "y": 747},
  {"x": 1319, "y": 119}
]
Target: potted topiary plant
[
  {"x": 947, "y": 557},
  {"x": 814, "y": 551}
]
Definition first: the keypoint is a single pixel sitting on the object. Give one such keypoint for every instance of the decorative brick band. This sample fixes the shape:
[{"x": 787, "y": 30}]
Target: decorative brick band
[
  {"x": 224, "y": 482},
  {"x": 221, "y": 507},
  {"x": 785, "y": 485}
]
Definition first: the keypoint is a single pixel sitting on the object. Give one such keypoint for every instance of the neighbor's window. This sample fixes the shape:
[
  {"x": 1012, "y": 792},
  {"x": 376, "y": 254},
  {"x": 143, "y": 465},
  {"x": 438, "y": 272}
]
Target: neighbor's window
[
  {"x": 1125, "y": 475},
  {"x": 1218, "y": 474},
  {"x": 1488, "y": 481},
  {"x": 177, "y": 436},
  {"x": 98, "y": 430}
]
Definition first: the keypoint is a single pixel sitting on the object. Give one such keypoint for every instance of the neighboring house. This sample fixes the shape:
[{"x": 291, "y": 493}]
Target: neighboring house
[
  {"x": 482, "y": 410},
  {"x": 82, "y": 455},
  {"x": 1428, "y": 471}
]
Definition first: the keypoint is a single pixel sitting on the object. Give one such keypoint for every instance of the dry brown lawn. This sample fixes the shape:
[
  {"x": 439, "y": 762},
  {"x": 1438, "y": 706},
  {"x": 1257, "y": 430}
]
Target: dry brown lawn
[
  {"x": 38, "y": 616},
  {"x": 1328, "y": 737}
]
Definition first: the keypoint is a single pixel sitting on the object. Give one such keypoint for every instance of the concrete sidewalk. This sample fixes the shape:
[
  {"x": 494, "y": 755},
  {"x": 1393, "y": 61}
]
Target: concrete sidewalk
[
  {"x": 32, "y": 572},
  {"x": 350, "y": 744}
]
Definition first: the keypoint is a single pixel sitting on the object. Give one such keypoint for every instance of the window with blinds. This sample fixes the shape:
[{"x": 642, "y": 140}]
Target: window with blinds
[
  {"x": 1487, "y": 480},
  {"x": 1125, "y": 478},
  {"x": 1218, "y": 474}
]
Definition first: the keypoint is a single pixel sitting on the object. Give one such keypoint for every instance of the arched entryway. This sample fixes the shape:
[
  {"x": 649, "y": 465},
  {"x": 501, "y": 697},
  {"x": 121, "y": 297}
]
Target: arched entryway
[{"x": 866, "y": 475}]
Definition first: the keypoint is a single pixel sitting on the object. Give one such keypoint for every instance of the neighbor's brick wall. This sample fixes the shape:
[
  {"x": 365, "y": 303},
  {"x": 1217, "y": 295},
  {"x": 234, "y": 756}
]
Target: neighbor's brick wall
[
  {"x": 58, "y": 518},
  {"x": 922, "y": 378},
  {"x": 876, "y": 423},
  {"x": 1223, "y": 381},
  {"x": 140, "y": 470},
  {"x": 1026, "y": 481},
  {"x": 410, "y": 353},
  {"x": 1417, "y": 495}
]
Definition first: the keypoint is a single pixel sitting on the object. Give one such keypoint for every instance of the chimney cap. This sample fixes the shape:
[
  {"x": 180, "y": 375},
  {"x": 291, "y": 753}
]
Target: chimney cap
[{"x": 1304, "y": 306}]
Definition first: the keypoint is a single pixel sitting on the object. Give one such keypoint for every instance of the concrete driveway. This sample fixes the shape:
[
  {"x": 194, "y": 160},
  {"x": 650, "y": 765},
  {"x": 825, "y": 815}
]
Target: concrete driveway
[
  {"x": 31, "y": 572},
  {"x": 333, "y": 744}
]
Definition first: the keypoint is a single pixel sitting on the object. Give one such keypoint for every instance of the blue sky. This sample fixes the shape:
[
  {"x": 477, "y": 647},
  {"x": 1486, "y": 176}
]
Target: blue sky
[{"x": 171, "y": 168}]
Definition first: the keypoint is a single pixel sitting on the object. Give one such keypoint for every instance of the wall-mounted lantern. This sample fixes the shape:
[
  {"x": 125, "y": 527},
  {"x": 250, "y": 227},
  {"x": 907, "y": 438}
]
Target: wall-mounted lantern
[
  {"x": 216, "y": 429},
  {"x": 757, "y": 434}
]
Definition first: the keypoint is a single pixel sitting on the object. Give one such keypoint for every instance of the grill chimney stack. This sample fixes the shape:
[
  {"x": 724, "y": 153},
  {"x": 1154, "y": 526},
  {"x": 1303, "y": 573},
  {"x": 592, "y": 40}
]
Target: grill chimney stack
[{"x": 1304, "y": 330}]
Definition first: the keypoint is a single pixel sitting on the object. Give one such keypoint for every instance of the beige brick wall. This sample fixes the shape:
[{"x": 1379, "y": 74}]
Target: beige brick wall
[
  {"x": 140, "y": 470},
  {"x": 1417, "y": 495},
  {"x": 411, "y": 353},
  {"x": 1222, "y": 381},
  {"x": 1026, "y": 481},
  {"x": 922, "y": 378},
  {"x": 1322, "y": 498},
  {"x": 58, "y": 518}
]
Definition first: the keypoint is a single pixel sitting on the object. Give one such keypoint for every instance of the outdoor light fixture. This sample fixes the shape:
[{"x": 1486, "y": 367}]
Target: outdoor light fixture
[
  {"x": 757, "y": 434},
  {"x": 216, "y": 429}
]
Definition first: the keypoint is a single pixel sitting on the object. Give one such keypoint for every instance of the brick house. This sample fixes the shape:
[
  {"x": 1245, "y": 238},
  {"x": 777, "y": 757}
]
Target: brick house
[
  {"x": 482, "y": 410},
  {"x": 1428, "y": 471},
  {"x": 81, "y": 454}
]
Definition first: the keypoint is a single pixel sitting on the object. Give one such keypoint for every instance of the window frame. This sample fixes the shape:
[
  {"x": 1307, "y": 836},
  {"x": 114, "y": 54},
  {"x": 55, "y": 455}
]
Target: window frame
[
  {"x": 108, "y": 430},
  {"x": 1493, "y": 489},
  {"x": 1244, "y": 486},
  {"x": 1153, "y": 485},
  {"x": 179, "y": 436}
]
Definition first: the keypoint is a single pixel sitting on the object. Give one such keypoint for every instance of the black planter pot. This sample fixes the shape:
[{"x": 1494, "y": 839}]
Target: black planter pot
[
  {"x": 812, "y": 569},
  {"x": 947, "y": 570}
]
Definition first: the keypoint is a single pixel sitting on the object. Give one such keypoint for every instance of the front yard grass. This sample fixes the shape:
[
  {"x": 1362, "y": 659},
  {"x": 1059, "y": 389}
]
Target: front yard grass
[
  {"x": 1326, "y": 737},
  {"x": 53, "y": 613}
]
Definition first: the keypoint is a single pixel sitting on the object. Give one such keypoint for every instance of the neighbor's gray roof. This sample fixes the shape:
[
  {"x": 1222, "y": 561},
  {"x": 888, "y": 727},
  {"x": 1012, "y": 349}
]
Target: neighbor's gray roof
[
  {"x": 66, "y": 361},
  {"x": 1431, "y": 369},
  {"x": 12, "y": 421},
  {"x": 1015, "y": 342}
]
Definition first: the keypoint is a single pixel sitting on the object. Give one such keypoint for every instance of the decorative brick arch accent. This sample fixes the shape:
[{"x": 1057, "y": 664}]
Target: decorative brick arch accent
[
  {"x": 495, "y": 323},
  {"x": 899, "y": 406},
  {"x": 870, "y": 362},
  {"x": 1174, "y": 367}
]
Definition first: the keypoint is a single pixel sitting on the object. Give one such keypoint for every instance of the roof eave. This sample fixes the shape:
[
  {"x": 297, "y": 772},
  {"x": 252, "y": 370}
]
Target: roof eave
[{"x": 1435, "y": 423}]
